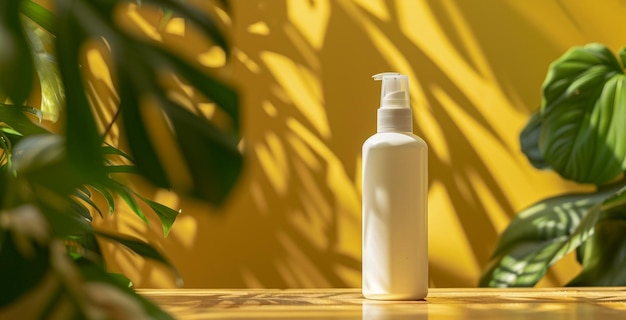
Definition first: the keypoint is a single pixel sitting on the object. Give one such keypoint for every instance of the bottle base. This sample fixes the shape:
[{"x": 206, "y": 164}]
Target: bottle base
[{"x": 396, "y": 296}]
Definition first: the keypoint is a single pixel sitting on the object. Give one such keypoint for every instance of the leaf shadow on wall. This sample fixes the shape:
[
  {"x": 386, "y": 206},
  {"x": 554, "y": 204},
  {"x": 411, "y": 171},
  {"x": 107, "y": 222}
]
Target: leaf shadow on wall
[
  {"x": 462, "y": 165},
  {"x": 294, "y": 219}
]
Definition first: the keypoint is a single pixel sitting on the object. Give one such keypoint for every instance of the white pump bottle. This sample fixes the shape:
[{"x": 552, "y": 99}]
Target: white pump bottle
[{"x": 395, "y": 193}]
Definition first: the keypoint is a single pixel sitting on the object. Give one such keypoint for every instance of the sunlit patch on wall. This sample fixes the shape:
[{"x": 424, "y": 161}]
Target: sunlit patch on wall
[
  {"x": 215, "y": 57},
  {"x": 443, "y": 249},
  {"x": 249, "y": 63},
  {"x": 303, "y": 152},
  {"x": 140, "y": 22},
  {"x": 358, "y": 174},
  {"x": 477, "y": 134},
  {"x": 100, "y": 69},
  {"x": 102, "y": 94},
  {"x": 181, "y": 92},
  {"x": 223, "y": 16},
  {"x": 311, "y": 19},
  {"x": 302, "y": 87},
  {"x": 377, "y": 8},
  {"x": 495, "y": 211},
  {"x": 315, "y": 203},
  {"x": 185, "y": 231},
  {"x": 273, "y": 160},
  {"x": 433, "y": 133},
  {"x": 418, "y": 24},
  {"x": 259, "y": 28},
  {"x": 207, "y": 109},
  {"x": 176, "y": 26},
  {"x": 269, "y": 108},
  {"x": 308, "y": 137}
]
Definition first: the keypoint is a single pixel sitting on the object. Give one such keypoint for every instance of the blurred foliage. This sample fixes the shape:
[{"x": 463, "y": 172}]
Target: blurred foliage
[
  {"x": 51, "y": 265},
  {"x": 579, "y": 132}
]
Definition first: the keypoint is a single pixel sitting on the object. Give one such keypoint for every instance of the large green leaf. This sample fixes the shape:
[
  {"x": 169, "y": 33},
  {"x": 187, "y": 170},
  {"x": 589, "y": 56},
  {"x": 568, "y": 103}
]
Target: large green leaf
[
  {"x": 210, "y": 153},
  {"x": 604, "y": 263},
  {"x": 84, "y": 152},
  {"x": 529, "y": 141},
  {"x": 583, "y": 136},
  {"x": 15, "y": 59},
  {"x": 540, "y": 235}
]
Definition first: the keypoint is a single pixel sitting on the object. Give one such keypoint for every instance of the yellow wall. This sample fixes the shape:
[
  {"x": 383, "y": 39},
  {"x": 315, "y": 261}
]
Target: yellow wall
[{"x": 303, "y": 69}]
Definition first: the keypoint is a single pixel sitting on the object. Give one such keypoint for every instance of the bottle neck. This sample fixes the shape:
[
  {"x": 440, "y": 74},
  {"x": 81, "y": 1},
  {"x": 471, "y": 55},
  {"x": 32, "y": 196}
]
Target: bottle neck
[{"x": 395, "y": 120}]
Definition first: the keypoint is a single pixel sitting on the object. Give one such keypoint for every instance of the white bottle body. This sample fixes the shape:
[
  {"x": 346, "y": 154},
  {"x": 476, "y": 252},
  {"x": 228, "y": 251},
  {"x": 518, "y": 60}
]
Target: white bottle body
[{"x": 395, "y": 219}]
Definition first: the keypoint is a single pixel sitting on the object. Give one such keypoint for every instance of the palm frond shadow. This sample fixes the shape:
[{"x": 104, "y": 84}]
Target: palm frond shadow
[
  {"x": 294, "y": 220},
  {"x": 503, "y": 46},
  {"x": 469, "y": 209}
]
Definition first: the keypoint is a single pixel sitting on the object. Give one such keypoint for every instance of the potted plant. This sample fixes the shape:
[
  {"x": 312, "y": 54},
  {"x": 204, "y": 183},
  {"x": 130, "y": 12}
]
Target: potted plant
[
  {"x": 580, "y": 133},
  {"x": 50, "y": 260}
]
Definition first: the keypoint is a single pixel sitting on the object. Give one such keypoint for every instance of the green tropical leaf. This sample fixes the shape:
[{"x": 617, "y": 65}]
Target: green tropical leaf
[
  {"x": 63, "y": 221},
  {"x": 583, "y": 114},
  {"x": 86, "y": 247},
  {"x": 121, "y": 279},
  {"x": 111, "y": 150},
  {"x": 128, "y": 196},
  {"x": 202, "y": 20},
  {"x": 14, "y": 117},
  {"x": 19, "y": 274},
  {"x": 107, "y": 196},
  {"x": 540, "y": 235},
  {"x": 84, "y": 150},
  {"x": 166, "y": 214},
  {"x": 605, "y": 251},
  {"x": 137, "y": 65},
  {"x": 52, "y": 90},
  {"x": 81, "y": 210},
  {"x": 141, "y": 248},
  {"x": 223, "y": 95},
  {"x": 86, "y": 197},
  {"x": 214, "y": 176},
  {"x": 121, "y": 169},
  {"x": 529, "y": 141},
  {"x": 139, "y": 141},
  {"x": 15, "y": 58},
  {"x": 40, "y": 15},
  {"x": 525, "y": 263},
  {"x": 92, "y": 273},
  {"x": 40, "y": 160}
]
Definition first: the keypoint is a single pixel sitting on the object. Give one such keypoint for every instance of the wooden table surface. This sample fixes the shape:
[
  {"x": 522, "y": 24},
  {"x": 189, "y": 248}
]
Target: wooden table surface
[{"x": 537, "y": 304}]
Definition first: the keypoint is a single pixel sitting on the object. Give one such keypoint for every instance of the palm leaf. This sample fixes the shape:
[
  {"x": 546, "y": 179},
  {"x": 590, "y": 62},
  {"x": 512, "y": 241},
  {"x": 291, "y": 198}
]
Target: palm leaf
[
  {"x": 40, "y": 15},
  {"x": 141, "y": 248}
]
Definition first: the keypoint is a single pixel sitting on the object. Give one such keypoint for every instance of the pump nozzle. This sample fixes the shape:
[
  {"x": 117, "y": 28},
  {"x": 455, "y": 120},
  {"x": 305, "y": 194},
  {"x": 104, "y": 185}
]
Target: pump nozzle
[
  {"x": 394, "y": 90},
  {"x": 394, "y": 114}
]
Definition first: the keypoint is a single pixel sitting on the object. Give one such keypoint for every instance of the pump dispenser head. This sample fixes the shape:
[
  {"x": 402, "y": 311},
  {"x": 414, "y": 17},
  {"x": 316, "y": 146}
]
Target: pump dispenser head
[{"x": 394, "y": 114}]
